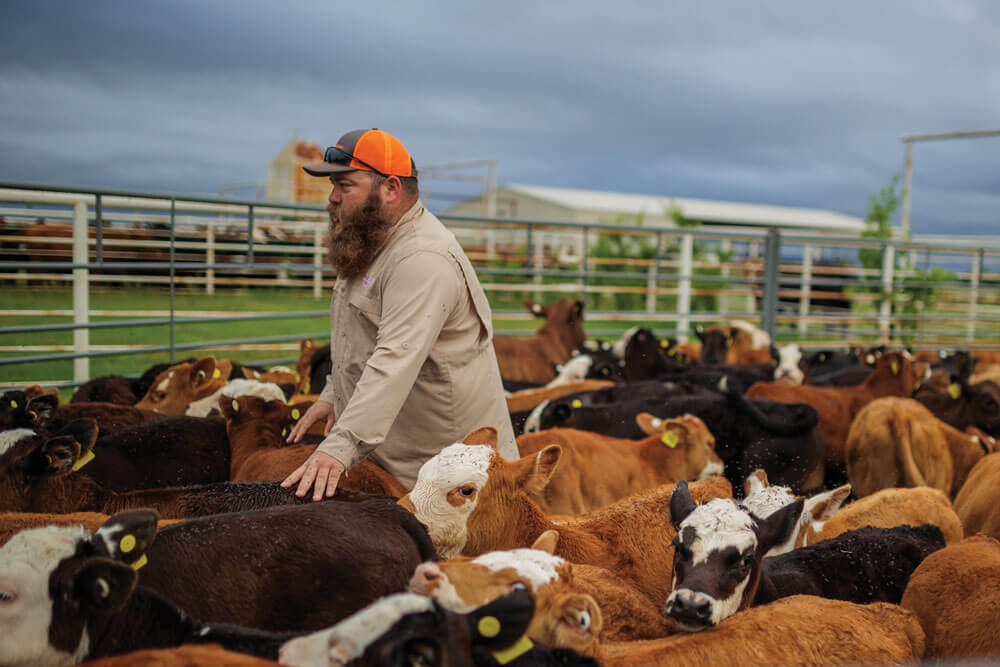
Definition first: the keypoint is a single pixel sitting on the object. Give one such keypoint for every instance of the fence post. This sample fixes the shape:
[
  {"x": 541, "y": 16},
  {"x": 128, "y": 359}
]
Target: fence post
[
  {"x": 807, "y": 266},
  {"x": 317, "y": 261},
  {"x": 977, "y": 273},
  {"x": 769, "y": 298},
  {"x": 885, "y": 306},
  {"x": 539, "y": 261},
  {"x": 81, "y": 293},
  {"x": 684, "y": 288},
  {"x": 210, "y": 258},
  {"x": 652, "y": 275}
]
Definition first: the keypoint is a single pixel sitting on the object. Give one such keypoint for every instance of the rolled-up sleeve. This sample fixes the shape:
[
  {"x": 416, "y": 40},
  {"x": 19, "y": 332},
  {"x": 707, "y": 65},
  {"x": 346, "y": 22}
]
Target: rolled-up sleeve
[{"x": 417, "y": 299}]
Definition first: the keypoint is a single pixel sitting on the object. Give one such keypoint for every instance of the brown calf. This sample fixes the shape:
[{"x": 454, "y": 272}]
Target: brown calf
[
  {"x": 894, "y": 375},
  {"x": 257, "y": 429},
  {"x": 897, "y": 442},
  {"x": 533, "y": 359},
  {"x": 527, "y": 399},
  {"x": 952, "y": 592},
  {"x": 473, "y": 501},
  {"x": 187, "y": 655},
  {"x": 179, "y": 386},
  {"x": 595, "y": 470},
  {"x": 12, "y": 523},
  {"x": 978, "y": 502}
]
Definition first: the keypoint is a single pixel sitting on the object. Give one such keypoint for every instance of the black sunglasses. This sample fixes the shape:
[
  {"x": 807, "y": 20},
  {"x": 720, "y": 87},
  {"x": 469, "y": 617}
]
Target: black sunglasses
[{"x": 334, "y": 154}]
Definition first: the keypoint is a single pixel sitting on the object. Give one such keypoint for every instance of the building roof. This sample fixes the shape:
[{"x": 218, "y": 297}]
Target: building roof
[{"x": 704, "y": 210}]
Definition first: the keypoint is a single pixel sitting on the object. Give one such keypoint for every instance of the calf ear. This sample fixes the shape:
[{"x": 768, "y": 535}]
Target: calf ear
[
  {"x": 41, "y": 409},
  {"x": 822, "y": 506},
  {"x": 126, "y": 536},
  {"x": 756, "y": 481},
  {"x": 578, "y": 309},
  {"x": 699, "y": 331},
  {"x": 777, "y": 528},
  {"x": 547, "y": 541},
  {"x": 681, "y": 504},
  {"x": 485, "y": 435},
  {"x": 204, "y": 371},
  {"x": 534, "y": 471},
  {"x": 536, "y": 309},
  {"x": 500, "y": 624},
  {"x": 649, "y": 424},
  {"x": 84, "y": 431},
  {"x": 103, "y": 585}
]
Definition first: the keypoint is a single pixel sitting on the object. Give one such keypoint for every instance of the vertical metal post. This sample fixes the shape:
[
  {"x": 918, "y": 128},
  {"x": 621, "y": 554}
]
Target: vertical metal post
[
  {"x": 885, "y": 305},
  {"x": 491, "y": 191},
  {"x": 725, "y": 247},
  {"x": 651, "y": 280},
  {"x": 977, "y": 274},
  {"x": 317, "y": 261},
  {"x": 769, "y": 302},
  {"x": 98, "y": 228},
  {"x": 684, "y": 288},
  {"x": 173, "y": 234},
  {"x": 528, "y": 246},
  {"x": 753, "y": 251},
  {"x": 250, "y": 234},
  {"x": 81, "y": 293},
  {"x": 907, "y": 183},
  {"x": 807, "y": 265},
  {"x": 584, "y": 252},
  {"x": 539, "y": 257},
  {"x": 210, "y": 258}
]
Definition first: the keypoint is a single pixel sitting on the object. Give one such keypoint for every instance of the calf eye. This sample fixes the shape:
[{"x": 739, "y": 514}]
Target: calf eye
[
  {"x": 6, "y": 596},
  {"x": 467, "y": 490}
]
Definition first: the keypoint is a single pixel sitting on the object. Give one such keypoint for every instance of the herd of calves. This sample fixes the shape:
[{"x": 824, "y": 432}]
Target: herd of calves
[{"x": 719, "y": 503}]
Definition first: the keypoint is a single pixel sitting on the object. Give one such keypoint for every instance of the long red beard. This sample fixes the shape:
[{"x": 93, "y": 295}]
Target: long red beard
[{"x": 355, "y": 239}]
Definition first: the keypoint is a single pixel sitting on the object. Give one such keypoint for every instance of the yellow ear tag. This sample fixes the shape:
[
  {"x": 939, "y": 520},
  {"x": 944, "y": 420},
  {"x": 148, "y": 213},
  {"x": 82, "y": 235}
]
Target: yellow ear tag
[
  {"x": 127, "y": 544},
  {"x": 954, "y": 390},
  {"x": 13, "y": 404},
  {"x": 489, "y": 627},
  {"x": 284, "y": 432},
  {"x": 84, "y": 460},
  {"x": 296, "y": 414},
  {"x": 664, "y": 344},
  {"x": 140, "y": 563},
  {"x": 216, "y": 374},
  {"x": 305, "y": 386},
  {"x": 577, "y": 403},
  {"x": 522, "y": 646},
  {"x": 669, "y": 438},
  {"x": 894, "y": 367}
]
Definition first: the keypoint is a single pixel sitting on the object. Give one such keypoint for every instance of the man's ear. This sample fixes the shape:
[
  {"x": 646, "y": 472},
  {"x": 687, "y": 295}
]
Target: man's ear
[{"x": 103, "y": 585}]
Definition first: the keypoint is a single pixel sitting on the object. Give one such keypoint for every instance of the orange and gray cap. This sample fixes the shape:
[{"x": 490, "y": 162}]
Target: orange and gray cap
[{"x": 367, "y": 150}]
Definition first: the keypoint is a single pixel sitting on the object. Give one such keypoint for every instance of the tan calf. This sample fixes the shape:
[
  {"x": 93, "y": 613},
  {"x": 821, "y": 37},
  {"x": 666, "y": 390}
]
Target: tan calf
[
  {"x": 527, "y": 399},
  {"x": 533, "y": 359},
  {"x": 978, "y": 502},
  {"x": 473, "y": 501},
  {"x": 176, "y": 388},
  {"x": 894, "y": 375},
  {"x": 955, "y": 593},
  {"x": 595, "y": 470},
  {"x": 897, "y": 442},
  {"x": 12, "y": 523}
]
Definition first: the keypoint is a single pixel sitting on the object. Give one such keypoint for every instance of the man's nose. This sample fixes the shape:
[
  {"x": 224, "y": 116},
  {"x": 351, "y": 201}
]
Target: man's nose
[{"x": 334, "y": 197}]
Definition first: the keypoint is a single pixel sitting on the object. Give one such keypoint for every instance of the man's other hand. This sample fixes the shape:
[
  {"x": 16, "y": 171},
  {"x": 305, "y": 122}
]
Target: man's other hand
[
  {"x": 319, "y": 410},
  {"x": 320, "y": 471}
]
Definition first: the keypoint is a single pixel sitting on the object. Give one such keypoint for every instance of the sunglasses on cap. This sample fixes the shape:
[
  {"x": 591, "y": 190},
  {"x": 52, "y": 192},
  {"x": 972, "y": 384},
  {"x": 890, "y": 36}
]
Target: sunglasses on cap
[{"x": 334, "y": 154}]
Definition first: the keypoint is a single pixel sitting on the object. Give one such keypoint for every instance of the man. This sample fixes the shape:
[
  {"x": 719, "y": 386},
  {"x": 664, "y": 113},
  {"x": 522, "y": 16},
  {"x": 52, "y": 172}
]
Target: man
[{"x": 413, "y": 366}]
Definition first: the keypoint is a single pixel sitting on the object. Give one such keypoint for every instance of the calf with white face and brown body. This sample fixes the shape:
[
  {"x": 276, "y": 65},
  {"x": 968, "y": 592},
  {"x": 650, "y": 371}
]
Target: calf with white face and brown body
[
  {"x": 595, "y": 471},
  {"x": 473, "y": 501}
]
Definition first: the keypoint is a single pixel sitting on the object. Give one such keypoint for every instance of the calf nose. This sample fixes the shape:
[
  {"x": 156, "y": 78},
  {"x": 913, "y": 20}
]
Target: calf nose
[
  {"x": 425, "y": 578},
  {"x": 688, "y": 606}
]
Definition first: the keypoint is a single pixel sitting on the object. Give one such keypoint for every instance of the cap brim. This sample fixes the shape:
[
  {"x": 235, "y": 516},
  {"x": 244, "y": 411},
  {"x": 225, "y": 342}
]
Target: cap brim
[{"x": 326, "y": 168}]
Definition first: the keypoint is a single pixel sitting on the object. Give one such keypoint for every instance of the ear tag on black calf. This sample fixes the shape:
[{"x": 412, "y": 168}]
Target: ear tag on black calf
[{"x": 84, "y": 460}]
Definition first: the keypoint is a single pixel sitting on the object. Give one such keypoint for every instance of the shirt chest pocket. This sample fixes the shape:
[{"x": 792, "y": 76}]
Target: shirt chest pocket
[{"x": 365, "y": 310}]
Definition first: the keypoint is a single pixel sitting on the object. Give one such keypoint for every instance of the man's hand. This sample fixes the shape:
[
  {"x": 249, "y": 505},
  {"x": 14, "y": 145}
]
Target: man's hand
[
  {"x": 320, "y": 471},
  {"x": 319, "y": 410}
]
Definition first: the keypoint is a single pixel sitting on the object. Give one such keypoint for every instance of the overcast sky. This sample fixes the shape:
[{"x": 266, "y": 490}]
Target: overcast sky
[{"x": 784, "y": 102}]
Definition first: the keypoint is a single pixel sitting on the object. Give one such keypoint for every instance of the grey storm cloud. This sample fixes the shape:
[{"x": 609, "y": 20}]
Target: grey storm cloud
[{"x": 779, "y": 102}]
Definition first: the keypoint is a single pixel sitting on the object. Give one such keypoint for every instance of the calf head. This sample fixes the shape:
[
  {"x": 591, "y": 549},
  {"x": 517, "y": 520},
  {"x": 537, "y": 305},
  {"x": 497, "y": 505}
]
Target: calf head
[
  {"x": 717, "y": 554},
  {"x": 471, "y": 499},
  {"x": 564, "y": 618},
  {"x": 985, "y": 401},
  {"x": 644, "y": 354},
  {"x": 788, "y": 370},
  {"x": 34, "y": 467},
  {"x": 762, "y": 500},
  {"x": 18, "y": 410},
  {"x": 715, "y": 342},
  {"x": 59, "y": 585},
  {"x": 409, "y": 629},
  {"x": 896, "y": 374},
  {"x": 256, "y": 410},
  {"x": 178, "y": 386},
  {"x": 688, "y": 438},
  {"x": 563, "y": 320}
]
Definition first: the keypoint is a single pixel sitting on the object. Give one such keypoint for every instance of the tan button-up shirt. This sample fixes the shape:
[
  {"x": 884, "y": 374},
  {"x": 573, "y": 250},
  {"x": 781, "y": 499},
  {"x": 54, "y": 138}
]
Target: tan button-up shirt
[{"x": 413, "y": 366}]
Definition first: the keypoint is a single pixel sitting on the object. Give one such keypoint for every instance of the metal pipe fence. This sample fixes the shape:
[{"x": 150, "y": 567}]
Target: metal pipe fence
[{"x": 820, "y": 289}]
